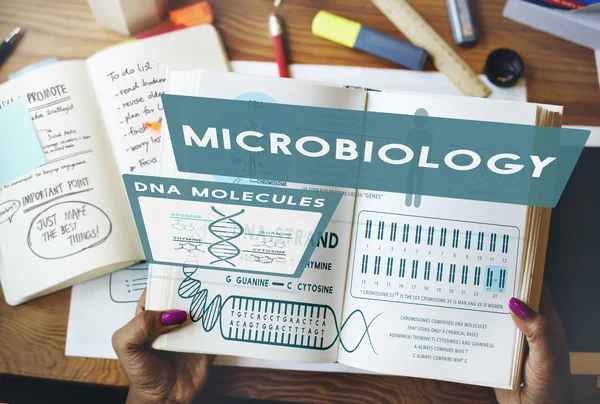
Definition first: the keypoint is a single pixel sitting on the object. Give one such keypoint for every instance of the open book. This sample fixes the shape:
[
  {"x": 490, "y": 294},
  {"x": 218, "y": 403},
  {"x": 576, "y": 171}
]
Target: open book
[
  {"x": 73, "y": 221},
  {"x": 397, "y": 284}
]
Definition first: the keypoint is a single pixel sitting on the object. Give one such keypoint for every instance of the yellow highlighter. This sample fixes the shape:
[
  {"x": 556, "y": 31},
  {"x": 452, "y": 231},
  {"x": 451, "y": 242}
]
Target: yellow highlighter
[{"x": 353, "y": 35}]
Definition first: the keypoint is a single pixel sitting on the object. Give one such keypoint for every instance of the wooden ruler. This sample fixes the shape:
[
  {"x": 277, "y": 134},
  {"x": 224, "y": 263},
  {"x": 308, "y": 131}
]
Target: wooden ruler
[{"x": 420, "y": 33}]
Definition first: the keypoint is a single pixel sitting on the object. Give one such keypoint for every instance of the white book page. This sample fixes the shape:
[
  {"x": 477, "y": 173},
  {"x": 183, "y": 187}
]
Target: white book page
[
  {"x": 328, "y": 262},
  {"x": 378, "y": 78},
  {"x": 129, "y": 80},
  {"x": 73, "y": 217},
  {"x": 414, "y": 274}
]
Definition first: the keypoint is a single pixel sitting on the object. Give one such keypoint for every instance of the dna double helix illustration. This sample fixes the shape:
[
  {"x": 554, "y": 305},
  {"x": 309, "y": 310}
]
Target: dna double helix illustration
[
  {"x": 217, "y": 310},
  {"x": 225, "y": 229}
]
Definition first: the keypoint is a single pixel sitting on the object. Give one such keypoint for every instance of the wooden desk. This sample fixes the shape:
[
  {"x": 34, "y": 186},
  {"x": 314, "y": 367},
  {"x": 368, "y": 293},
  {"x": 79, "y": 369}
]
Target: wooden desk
[{"x": 32, "y": 336}]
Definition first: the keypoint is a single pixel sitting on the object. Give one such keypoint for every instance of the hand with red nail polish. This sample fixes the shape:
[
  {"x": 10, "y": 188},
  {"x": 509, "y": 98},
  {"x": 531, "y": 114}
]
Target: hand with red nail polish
[
  {"x": 546, "y": 374},
  {"x": 158, "y": 376}
]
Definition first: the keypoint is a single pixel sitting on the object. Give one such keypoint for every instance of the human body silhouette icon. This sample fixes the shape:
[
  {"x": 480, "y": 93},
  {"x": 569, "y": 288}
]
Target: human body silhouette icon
[{"x": 417, "y": 137}]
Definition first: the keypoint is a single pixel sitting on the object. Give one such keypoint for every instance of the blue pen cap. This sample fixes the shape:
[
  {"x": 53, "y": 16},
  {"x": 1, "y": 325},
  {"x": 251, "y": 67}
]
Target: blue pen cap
[{"x": 390, "y": 48}]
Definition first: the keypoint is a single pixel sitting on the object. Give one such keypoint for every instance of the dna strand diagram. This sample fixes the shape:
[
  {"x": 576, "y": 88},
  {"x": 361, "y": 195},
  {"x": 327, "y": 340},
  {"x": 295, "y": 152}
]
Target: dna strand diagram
[
  {"x": 217, "y": 311},
  {"x": 200, "y": 232},
  {"x": 225, "y": 229}
]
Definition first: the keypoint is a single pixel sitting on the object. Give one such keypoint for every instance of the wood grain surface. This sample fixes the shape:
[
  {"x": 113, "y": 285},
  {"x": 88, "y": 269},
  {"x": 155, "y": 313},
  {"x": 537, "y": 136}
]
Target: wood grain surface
[{"x": 32, "y": 336}]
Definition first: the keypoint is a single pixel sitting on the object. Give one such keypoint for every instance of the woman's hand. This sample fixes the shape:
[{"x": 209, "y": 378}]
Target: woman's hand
[
  {"x": 546, "y": 376},
  {"x": 158, "y": 376}
]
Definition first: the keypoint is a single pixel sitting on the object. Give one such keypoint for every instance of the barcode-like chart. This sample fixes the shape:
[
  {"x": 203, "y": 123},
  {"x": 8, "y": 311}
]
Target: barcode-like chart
[{"x": 436, "y": 262}]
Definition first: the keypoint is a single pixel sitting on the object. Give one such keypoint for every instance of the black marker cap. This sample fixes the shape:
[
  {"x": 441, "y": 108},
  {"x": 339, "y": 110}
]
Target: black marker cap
[{"x": 504, "y": 67}]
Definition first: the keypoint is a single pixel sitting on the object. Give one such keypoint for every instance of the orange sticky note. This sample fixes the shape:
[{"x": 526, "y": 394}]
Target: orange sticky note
[
  {"x": 196, "y": 14},
  {"x": 153, "y": 125}
]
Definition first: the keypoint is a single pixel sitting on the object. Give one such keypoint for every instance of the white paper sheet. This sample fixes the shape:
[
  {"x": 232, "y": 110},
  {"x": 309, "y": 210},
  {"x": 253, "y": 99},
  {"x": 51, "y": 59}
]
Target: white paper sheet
[
  {"x": 101, "y": 306},
  {"x": 95, "y": 315}
]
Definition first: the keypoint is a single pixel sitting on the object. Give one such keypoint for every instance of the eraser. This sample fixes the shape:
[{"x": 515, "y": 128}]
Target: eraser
[{"x": 196, "y": 14}]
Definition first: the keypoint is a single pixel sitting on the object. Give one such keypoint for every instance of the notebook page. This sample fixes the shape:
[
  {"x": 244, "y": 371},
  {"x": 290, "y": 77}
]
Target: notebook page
[
  {"x": 129, "y": 80},
  {"x": 328, "y": 263},
  {"x": 72, "y": 216},
  {"x": 434, "y": 314}
]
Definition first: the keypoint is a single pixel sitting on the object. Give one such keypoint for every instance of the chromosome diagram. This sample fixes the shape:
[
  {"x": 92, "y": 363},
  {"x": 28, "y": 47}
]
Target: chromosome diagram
[{"x": 434, "y": 262}]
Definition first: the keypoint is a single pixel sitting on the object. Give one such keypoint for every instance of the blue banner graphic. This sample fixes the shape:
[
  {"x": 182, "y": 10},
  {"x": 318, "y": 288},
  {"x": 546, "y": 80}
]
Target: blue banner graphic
[
  {"x": 411, "y": 154},
  {"x": 238, "y": 228}
]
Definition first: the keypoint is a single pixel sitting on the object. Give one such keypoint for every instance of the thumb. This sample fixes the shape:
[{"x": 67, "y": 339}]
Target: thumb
[
  {"x": 536, "y": 329},
  {"x": 145, "y": 327}
]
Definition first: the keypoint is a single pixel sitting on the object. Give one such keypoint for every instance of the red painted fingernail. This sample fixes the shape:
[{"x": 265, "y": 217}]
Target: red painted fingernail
[
  {"x": 173, "y": 317},
  {"x": 522, "y": 310}
]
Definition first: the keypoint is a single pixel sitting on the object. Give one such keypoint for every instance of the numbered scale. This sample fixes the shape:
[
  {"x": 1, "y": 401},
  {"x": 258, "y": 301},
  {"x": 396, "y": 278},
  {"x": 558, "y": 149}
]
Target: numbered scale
[{"x": 434, "y": 262}]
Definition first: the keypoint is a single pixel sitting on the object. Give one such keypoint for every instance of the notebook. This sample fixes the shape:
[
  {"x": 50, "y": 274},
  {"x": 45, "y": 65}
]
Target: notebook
[
  {"x": 70, "y": 219},
  {"x": 355, "y": 302}
]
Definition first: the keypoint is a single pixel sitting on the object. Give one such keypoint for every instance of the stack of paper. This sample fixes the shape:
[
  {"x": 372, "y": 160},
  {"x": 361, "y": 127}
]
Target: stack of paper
[{"x": 581, "y": 26}]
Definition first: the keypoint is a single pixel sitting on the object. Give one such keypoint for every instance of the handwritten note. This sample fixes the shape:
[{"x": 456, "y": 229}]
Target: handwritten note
[
  {"x": 8, "y": 210},
  {"x": 67, "y": 228},
  {"x": 49, "y": 107},
  {"x": 129, "y": 80},
  {"x": 137, "y": 89}
]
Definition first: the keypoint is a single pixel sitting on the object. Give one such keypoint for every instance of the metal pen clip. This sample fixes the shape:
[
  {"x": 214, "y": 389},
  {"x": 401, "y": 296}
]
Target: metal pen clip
[{"x": 462, "y": 21}]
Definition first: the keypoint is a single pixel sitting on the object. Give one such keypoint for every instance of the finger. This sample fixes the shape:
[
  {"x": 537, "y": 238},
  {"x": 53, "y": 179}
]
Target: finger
[
  {"x": 145, "y": 327},
  {"x": 141, "y": 305},
  {"x": 536, "y": 329}
]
